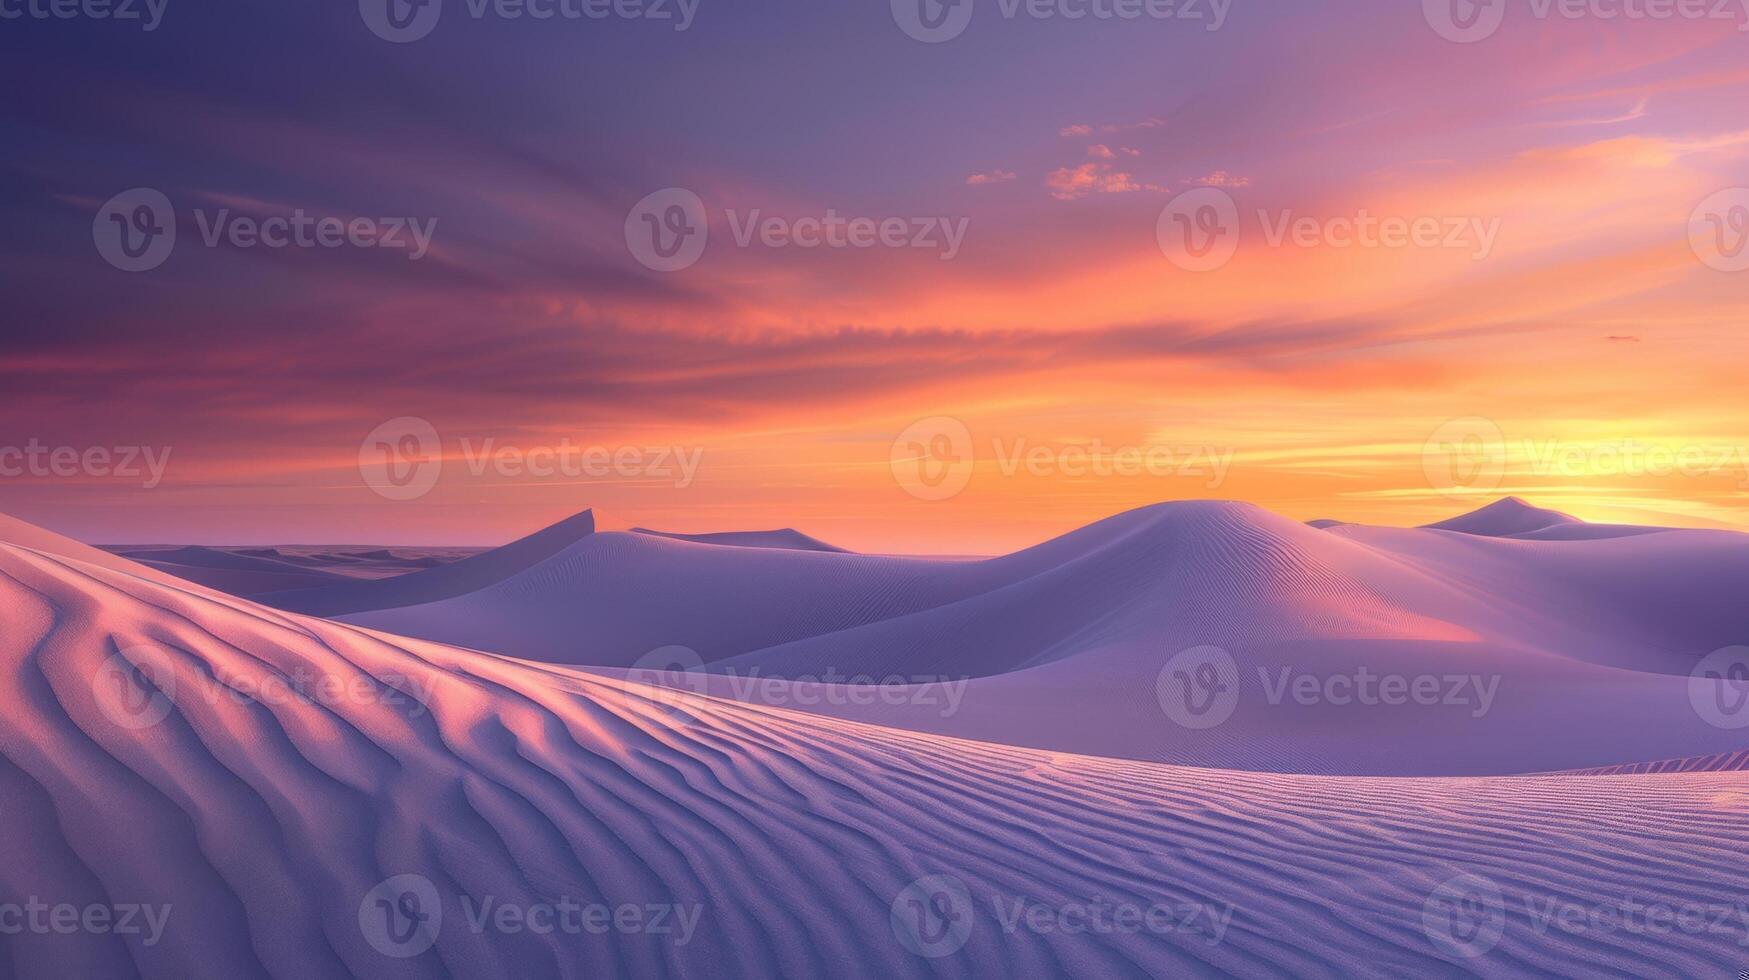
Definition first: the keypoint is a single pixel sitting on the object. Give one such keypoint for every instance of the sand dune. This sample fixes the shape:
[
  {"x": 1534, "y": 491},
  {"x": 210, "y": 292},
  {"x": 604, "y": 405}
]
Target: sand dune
[
  {"x": 1547, "y": 655},
  {"x": 268, "y": 828},
  {"x": 25, "y": 535},
  {"x": 228, "y": 571},
  {"x": 786, "y": 538},
  {"x": 252, "y": 572},
  {"x": 438, "y": 583},
  {"x": 1505, "y": 517}
]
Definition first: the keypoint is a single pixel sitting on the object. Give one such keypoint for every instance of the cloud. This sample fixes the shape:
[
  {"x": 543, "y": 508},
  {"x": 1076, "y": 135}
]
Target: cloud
[
  {"x": 1083, "y": 129},
  {"x": 993, "y": 177},
  {"x": 1069, "y": 183},
  {"x": 1221, "y": 178}
]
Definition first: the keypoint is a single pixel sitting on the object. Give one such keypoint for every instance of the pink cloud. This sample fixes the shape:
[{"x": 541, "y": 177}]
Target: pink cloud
[
  {"x": 1069, "y": 183},
  {"x": 993, "y": 177},
  {"x": 1221, "y": 178},
  {"x": 1079, "y": 129}
]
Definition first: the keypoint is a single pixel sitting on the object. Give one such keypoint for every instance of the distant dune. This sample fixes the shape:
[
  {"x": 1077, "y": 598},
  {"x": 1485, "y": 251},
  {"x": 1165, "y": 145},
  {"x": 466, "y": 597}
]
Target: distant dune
[
  {"x": 1557, "y": 636},
  {"x": 143, "y": 764},
  {"x": 1506, "y": 517},
  {"x": 784, "y": 538},
  {"x": 437, "y": 583}
]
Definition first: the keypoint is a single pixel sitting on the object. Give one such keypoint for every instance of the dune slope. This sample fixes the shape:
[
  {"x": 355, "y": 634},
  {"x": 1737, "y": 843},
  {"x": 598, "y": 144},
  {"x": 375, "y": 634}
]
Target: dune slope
[{"x": 289, "y": 836}]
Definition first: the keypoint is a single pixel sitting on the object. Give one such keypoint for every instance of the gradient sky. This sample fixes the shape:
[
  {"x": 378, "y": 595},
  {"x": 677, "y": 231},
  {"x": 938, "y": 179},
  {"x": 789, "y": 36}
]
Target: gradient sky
[{"x": 1590, "y": 326}]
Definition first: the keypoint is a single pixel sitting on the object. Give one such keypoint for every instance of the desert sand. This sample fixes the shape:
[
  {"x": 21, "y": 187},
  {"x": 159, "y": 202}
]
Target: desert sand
[{"x": 297, "y": 796}]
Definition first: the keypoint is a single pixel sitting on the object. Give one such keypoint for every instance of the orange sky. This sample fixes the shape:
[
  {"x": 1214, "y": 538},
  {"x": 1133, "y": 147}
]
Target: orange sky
[{"x": 1582, "y": 317}]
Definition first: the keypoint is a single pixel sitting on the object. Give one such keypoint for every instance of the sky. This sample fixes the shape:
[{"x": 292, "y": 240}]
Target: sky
[{"x": 1351, "y": 260}]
